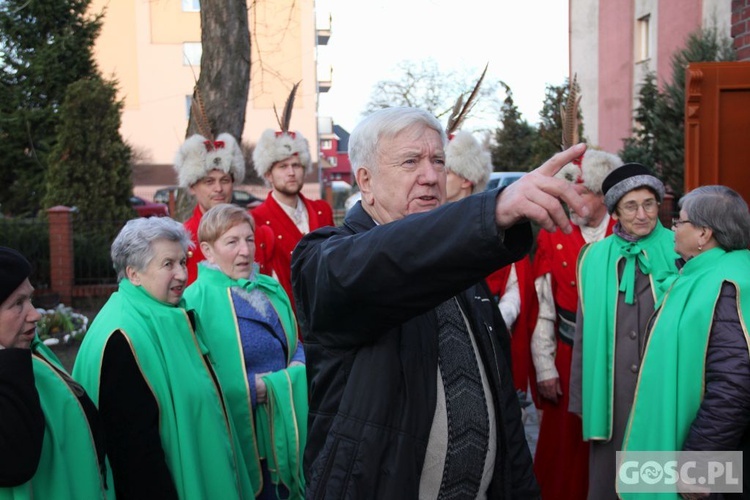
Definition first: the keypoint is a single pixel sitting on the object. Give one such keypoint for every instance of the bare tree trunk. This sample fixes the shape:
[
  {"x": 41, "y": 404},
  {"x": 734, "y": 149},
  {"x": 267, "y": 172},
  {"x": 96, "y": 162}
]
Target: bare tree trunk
[{"x": 225, "y": 67}]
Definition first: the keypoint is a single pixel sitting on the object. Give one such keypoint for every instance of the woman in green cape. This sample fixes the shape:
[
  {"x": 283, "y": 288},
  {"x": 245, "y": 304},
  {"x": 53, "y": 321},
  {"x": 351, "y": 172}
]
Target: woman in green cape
[
  {"x": 693, "y": 391},
  {"x": 51, "y": 444},
  {"x": 168, "y": 434},
  {"x": 247, "y": 322}
]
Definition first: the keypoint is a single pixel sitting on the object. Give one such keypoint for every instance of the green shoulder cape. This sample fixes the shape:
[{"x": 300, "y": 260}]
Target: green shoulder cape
[
  {"x": 68, "y": 468},
  {"x": 671, "y": 381},
  {"x": 196, "y": 434},
  {"x": 216, "y": 324},
  {"x": 599, "y": 285}
]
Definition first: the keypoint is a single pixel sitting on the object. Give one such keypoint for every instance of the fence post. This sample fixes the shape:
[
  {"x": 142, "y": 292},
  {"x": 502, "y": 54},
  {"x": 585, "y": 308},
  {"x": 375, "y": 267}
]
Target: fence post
[{"x": 61, "y": 263}]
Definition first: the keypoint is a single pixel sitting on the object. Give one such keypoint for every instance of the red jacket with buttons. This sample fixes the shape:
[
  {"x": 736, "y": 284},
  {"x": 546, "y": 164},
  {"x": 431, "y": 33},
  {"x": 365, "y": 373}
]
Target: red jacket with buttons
[
  {"x": 557, "y": 253},
  {"x": 286, "y": 235}
]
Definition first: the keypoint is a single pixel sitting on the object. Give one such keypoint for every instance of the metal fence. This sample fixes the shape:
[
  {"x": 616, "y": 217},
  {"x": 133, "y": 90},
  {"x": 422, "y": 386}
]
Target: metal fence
[{"x": 30, "y": 236}]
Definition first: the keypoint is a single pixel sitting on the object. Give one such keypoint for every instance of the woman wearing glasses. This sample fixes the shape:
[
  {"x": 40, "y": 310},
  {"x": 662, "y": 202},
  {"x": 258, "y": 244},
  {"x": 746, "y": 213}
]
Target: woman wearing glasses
[
  {"x": 694, "y": 387},
  {"x": 619, "y": 281}
]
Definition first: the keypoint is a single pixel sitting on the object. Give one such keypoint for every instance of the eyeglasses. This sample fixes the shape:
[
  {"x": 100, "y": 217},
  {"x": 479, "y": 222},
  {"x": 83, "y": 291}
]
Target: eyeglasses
[
  {"x": 631, "y": 207},
  {"x": 678, "y": 222}
]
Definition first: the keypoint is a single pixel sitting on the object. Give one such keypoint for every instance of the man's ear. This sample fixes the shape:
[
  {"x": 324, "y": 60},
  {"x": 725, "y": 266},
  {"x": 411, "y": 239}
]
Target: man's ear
[
  {"x": 364, "y": 181},
  {"x": 466, "y": 184}
]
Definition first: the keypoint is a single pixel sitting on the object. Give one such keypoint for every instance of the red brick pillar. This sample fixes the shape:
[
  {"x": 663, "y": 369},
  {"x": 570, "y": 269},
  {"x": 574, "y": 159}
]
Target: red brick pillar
[{"x": 61, "y": 263}]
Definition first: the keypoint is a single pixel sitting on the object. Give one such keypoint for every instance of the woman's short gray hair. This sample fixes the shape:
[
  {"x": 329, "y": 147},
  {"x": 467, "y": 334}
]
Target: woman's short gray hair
[
  {"x": 723, "y": 210},
  {"x": 133, "y": 246},
  {"x": 220, "y": 219},
  {"x": 384, "y": 124}
]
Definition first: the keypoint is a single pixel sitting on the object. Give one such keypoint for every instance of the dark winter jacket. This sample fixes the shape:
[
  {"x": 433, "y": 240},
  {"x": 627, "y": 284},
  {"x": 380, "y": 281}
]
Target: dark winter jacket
[
  {"x": 22, "y": 429},
  {"x": 365, "y": 296},
  {"x": 723, "y": 419}
]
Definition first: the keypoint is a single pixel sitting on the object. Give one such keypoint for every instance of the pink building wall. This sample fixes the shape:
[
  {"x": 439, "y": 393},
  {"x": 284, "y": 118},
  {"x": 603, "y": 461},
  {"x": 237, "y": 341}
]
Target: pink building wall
[
  {"x": 615, "y": 74},
  {"x": 675, "y": 22}
]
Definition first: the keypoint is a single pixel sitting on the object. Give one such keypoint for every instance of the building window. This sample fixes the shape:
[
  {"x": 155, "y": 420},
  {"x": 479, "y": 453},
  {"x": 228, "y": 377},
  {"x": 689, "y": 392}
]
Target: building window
[
  {"x": 191, "y": 53},
  {"x": 642, "y": 39},
  {"x": 191, "y": 5},
  {"x": 333, "y": 160},
  {"x": 326, "y": 144},
  {"x": 188, "y": 106}
]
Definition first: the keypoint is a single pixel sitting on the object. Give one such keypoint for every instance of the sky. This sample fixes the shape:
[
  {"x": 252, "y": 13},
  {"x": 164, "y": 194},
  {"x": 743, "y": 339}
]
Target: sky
[{"x": 524, "y": 42}]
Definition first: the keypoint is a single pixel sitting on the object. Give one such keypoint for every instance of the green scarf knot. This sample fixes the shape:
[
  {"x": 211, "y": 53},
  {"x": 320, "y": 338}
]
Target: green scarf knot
[{"x": 633, "y": 253}]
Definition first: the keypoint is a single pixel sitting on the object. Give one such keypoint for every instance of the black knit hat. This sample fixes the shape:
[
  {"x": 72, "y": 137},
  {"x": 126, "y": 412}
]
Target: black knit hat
[
  {"x": 14, "y": 269},
  {"x": 626, "y": 178}
]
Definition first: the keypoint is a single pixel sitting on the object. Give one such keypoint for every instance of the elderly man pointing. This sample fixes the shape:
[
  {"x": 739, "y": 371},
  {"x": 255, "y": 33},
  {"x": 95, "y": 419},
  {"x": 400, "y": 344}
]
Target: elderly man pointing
[{"x": 410, "y": 389}]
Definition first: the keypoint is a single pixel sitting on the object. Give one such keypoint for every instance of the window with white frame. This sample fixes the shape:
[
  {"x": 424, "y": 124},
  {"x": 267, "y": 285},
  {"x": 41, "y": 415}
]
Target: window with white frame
[
  {"x": 643, "y": 38},
  {"x": 191, "y": 5},
  {"x": 326, "y": 144},
  {"x": 191, "y": 53},
  {"x": 333, "y": 160}
]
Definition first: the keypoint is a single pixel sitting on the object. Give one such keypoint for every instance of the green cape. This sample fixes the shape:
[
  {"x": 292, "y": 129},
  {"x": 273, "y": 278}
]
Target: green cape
[
  {"x": 210, "y": 297},
  {"x": 69, "y": 467},
  {"x": 599, "y": 286},
  {"x": 196, "y": 434},
  {"x": 671, "y": 381}
]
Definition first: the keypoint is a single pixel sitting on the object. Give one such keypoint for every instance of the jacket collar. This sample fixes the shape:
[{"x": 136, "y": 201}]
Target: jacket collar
[{"x": 358, "y": 220}]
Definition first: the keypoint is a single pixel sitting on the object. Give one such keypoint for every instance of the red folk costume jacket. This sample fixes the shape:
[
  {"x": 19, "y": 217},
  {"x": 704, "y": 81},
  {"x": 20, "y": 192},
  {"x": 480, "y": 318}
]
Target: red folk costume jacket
[
  {"x": 557, "y": 253},
  {"x": 520, "y": 344},
  {"x": 264, "y": 242},
  {"x": 286, "y": 234}
]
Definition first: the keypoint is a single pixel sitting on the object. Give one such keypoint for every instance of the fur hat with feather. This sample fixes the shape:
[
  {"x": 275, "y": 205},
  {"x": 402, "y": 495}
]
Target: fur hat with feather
[
  {"x": 464, "y": 156},
  {"x": 277, "y": 145},
  {"x": 198, "y": 156},
  {"x": 593, "y": 168},
  {"x": 590, "y": 169}
]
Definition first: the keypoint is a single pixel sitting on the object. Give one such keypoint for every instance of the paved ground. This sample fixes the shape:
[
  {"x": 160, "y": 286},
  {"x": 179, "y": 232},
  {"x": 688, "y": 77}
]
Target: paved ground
[{"x": 531, "y": 424}]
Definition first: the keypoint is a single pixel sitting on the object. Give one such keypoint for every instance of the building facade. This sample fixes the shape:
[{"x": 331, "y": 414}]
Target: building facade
[
  {"x": 152, "y": 48},
  {"x": 613, "y": 45}
]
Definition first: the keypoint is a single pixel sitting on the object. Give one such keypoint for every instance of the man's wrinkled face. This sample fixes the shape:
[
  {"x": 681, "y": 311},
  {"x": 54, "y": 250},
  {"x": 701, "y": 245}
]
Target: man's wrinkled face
[
  {"x": 597, "y": 210},
  {"x": 409, "y": 178},
  {"x": 213, "y": 189}
]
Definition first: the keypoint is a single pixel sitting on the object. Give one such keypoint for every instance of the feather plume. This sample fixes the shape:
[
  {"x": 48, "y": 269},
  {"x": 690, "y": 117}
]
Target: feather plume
[
  {"x": 461, "y": 110},
  {"x": 198, "y": 111},
  {"x": 569, "y": 115},
  {"x": 286, "y": 116}
]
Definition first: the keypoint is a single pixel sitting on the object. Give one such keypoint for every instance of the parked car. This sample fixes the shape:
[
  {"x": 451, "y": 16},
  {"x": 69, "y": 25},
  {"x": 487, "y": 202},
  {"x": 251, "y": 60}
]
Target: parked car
[
  {"x": 244, "y": 199},
  {"x": 502, "y": 179},
  {"x": 162, "y": 195},
  {"x": 147, "y": 208}
]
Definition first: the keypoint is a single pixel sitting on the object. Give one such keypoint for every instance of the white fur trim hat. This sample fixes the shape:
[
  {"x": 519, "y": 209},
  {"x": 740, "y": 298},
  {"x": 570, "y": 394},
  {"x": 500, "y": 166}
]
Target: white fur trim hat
[
  {"x": 198, "y": 156},
  {"x": 465, "y": 157},
  {"x": 276, "y": 146},
  {"x": 594, "y": 167}
]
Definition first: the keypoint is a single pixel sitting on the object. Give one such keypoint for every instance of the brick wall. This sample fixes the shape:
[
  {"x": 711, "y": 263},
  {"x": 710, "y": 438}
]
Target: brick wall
[{"x": 741, "y": 28}]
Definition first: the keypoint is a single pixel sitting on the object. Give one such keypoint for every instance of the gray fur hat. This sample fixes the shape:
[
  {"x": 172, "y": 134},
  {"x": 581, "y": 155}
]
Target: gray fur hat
[
  {"x": 627, "y": 178},
  {"x": 594, "y": 167},
  {"x": 465, "y": 157},
  {"x": 276, "y": 146},
  {"x": 198, "y": 156}
]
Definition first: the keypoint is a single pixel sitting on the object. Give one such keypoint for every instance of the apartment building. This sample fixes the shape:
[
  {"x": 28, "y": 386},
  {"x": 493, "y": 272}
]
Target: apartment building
[
  {"x": 152, "y": 48},
  {"x": 614, "y": 44}
]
